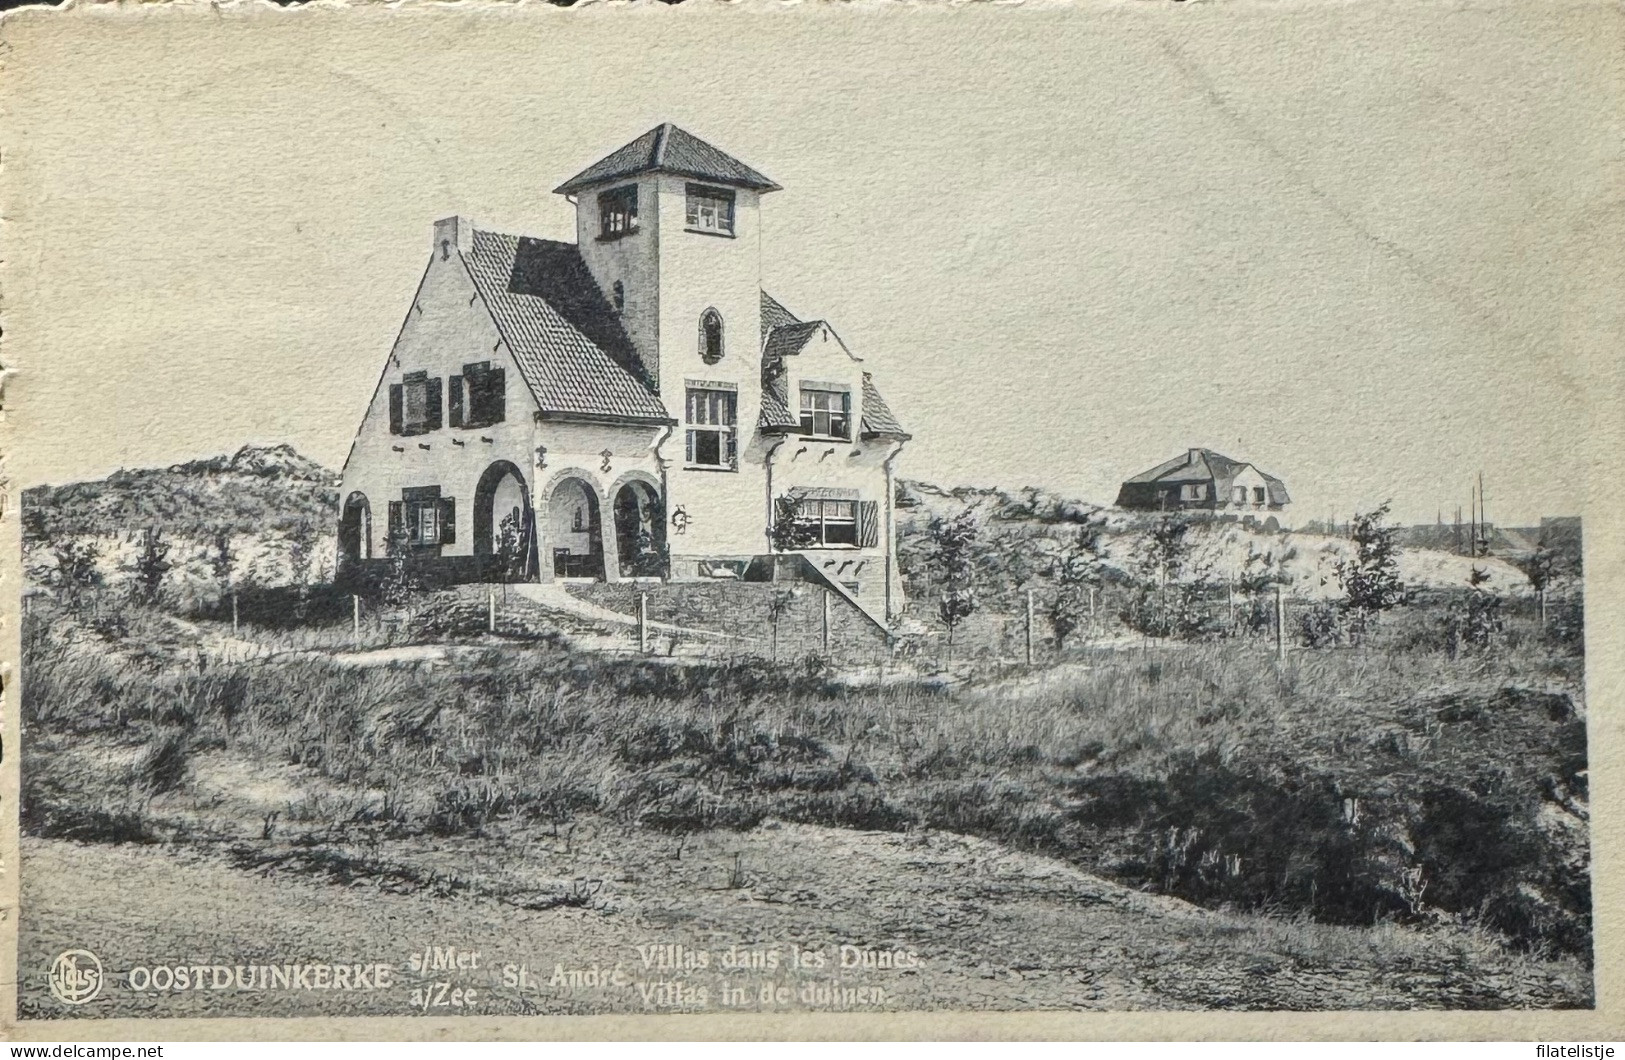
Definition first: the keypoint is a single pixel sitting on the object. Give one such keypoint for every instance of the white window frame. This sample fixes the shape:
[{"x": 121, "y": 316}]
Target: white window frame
[
  {"x": 810, "y": 412},
  {"x": 716, "y": 413},
  {"x": 709, "y": 210}
]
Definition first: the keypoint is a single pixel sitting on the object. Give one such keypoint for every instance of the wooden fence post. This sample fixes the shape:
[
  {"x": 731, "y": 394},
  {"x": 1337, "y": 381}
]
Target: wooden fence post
[
  {"x": 491, "y": 610},
  {"x": 826, "y": 622},
  {"x": 1029, "y": 627},
  {"x": 643, "y": 622},
  {"x": 234, "y": 610},
  {"x": 1280, "y": 626},
  {"x": 355, "y": 614}
]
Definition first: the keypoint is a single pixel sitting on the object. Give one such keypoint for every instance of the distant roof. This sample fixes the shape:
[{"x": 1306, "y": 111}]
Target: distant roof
[
  {"x": 668, "y": 149},
  {"x": 1205, "y": 465},
  {"x": 566, "y": 338}
]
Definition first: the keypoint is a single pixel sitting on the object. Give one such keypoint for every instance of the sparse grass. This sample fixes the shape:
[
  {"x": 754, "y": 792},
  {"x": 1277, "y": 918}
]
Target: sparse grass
[{"x": 1313, "y": 789}]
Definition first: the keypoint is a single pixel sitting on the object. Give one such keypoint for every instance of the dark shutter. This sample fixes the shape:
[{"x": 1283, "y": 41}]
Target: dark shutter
[
  {"x": 448, "y": 520},
  {"x": 396, "y": 416},
  {"x": 454, "y": 402},
  {"x": 869, "y": 524},
  {"x": 431, "y": 400},
  {"x": 397, "y": 522},
  {"x": 496, "y": 391}
]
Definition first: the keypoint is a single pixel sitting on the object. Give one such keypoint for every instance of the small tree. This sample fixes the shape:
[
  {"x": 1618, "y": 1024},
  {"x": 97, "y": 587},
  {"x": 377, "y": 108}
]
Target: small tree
[
  {"x": 301, "y": 552},
  {"x": 951, "y": 558},
  {"x": 151, "y": 565},
  {"x": 1079, "y": 573},
  {"x": 76, "y": 568},
  {"x": 400, "y": 580},
  {"x": 510, "y": 549},
  {"x": 222, "y": 560},
  {"x": 1260, "y": 575},
  {"x": 790, "y": 532},
  {"x": 1475, "y": 621},
  {"x": 1370, "y": 581},
  {"x": 1170, "y": 599}
]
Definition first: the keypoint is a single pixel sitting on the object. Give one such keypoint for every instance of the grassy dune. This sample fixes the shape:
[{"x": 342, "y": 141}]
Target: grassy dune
[{"x": 1393, "y": 786}]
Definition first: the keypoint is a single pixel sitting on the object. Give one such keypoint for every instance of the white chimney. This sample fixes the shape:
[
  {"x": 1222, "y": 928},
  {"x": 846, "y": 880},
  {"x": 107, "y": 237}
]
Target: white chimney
[
  {"x": 1193, "y": 456},
  {"x": 453, "y": 233}
]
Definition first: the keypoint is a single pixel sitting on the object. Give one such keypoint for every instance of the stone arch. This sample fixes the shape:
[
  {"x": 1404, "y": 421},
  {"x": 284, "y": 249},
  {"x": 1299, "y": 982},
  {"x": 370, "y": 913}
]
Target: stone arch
[
  {"x": 638, "y": 509},
  {"x": 503, "y": 516},
  {"x": 570, "y": 526},
  {"x": 355, "y": 530}
]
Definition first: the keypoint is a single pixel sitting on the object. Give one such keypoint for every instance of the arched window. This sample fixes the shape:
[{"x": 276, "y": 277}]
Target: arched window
[
  {"x": 711, "y": 336},
  {"x": 620, "y": 295}
]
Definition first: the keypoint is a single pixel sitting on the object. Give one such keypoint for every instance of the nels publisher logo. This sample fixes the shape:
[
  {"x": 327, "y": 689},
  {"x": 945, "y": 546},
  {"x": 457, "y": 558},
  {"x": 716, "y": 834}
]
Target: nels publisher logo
[{"x": 76, "y": 977}]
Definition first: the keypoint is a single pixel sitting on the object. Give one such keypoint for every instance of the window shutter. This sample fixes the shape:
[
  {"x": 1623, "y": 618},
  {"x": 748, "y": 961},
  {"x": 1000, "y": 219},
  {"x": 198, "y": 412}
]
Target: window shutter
[
  {"x": 496, "y": 390},
  {"x": 869, "y": 524},
  {"x": 454, "y": 402},
  {"x": 431, "y": 402},
  {"x": 396, "y": 416},
  {"x": 448, "y": 520},
  {"x": 397, "y": 521}
]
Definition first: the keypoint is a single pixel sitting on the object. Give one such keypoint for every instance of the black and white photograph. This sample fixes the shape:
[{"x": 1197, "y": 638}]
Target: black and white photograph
[{"x": 745, "y": 509}]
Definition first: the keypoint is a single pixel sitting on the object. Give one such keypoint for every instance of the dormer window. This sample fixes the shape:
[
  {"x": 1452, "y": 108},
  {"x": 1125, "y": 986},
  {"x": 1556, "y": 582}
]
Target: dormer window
[
  {"x": 826, "y": 412},
  {"x": 618, "y": 212},
  {"x": 710, "y": 210}
]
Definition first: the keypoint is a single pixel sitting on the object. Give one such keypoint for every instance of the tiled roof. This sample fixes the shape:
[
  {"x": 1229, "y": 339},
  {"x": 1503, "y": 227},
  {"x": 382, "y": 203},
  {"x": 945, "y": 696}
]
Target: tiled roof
[
  {"x": 776, "y": 414},
  {"x": 668, "y": 149},
  {"x": 786, "y": 340},
  {"x": 774, "y": 314},
  {"x": 878, "y": 420},
  {"x": 568, "y": 343},
  {"x": 1208, "y": 466}
]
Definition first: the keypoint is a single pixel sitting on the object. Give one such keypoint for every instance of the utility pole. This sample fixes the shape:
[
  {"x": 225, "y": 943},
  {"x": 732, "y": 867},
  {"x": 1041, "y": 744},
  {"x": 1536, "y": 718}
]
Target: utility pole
[
  {"x": 234, "y": 611},
  {"x": 355, "y": 614},
  {"x": 491, "y": 610},
  {"x": 826, "y": 622}
]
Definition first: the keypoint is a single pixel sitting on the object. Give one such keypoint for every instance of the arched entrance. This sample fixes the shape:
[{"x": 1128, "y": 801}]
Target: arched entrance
[
  {"x": 574, "y": 531},
  {"x": 504, "y": 525},
  {"x": 640, "y": 530},
  {"x": 355, "y": 531}
]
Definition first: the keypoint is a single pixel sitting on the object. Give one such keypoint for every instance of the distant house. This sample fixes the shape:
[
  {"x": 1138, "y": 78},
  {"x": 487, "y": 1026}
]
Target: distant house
[{"x": 1203, "y": 480}]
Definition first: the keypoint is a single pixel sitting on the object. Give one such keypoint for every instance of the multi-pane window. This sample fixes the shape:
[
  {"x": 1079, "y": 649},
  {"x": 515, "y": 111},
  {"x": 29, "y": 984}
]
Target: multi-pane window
[
  {"x": 836, "y": 522},
  {"x": 1258, "y": 494},
  {"x": 1239, "y": 494},
  {"x": 423, "y": 523},
  {"x": 1193, "y": 491},
  {"x": 618, "y": 212},
  {"x": 422, "y": 518},
  {"x": 826, "y": 413},
  {"x": 711, "y": 419},
  {"x": 710, "y": 209}
]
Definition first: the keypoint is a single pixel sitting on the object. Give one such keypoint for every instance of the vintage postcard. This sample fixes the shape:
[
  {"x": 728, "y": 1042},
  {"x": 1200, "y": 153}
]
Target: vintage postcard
[{"x": 760, "y": 519}]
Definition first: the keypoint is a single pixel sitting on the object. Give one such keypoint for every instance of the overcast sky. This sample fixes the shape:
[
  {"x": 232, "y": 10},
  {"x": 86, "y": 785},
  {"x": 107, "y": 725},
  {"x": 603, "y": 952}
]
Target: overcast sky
[{"x": 1355, "y": 245}]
